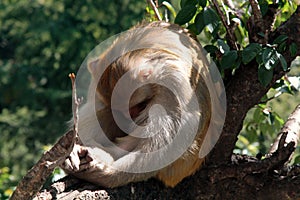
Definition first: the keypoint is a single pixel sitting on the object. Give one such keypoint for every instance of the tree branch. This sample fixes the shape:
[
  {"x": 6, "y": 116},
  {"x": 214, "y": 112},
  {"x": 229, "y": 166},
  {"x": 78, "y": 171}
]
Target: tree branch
[
  {"x": 292, "y": 128},
  {"x": 259, "y": 27},
  {"x": 230, "y": 4},
  {"x": 256, "y": 13},
  {"x": 246, "y": 177},
  {"x": 230, "y": 34},
  {"x": 256, "y": 24}
]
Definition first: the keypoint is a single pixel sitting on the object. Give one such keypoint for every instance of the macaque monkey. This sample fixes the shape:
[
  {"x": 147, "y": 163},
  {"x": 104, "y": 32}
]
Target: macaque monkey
[{"x": 148, "y": 110}]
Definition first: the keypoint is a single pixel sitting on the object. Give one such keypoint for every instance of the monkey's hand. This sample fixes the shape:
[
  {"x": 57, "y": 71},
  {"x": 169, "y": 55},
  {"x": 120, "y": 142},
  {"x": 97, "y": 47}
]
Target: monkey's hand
[
  {"x": 78, "y": 157},
  {"x": 83, "y": 158}
]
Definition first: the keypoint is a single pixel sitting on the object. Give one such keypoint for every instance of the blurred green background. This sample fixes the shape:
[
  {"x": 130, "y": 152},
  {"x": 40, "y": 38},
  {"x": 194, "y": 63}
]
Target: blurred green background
[{"x": 41, "y": 42}]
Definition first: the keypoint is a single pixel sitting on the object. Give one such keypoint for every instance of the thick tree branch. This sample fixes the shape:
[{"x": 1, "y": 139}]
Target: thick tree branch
[
  {"x": 195, "y": 188},
  {"x": 292, "y": 128},
  {"x": 244, "y": 91},
  {"x": 245, "y": 177}
]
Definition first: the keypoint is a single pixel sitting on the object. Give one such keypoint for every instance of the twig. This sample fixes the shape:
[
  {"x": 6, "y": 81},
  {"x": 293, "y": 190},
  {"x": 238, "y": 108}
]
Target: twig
[
  {"x": 256, "y": 12},
  {"x": 292, "y": 128},
  {"x": 232, "y": 41},
  {"x": 229, "y": 3},
  {"x": 153, "y": 6},
  {"x": 258, "y": 23},
  {"x": 76, "y": 103},
  {"x": 38, "y": 174},
  {"x": 156, "y": 3}
]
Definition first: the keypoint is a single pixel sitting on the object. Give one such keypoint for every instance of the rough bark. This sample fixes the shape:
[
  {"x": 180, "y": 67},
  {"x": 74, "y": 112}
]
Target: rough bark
[{"x": 37, "y": 176}]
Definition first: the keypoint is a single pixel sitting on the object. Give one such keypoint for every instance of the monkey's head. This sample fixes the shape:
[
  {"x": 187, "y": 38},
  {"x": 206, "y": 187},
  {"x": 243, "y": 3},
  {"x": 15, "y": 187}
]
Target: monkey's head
[{"x": 145, "y": 82}]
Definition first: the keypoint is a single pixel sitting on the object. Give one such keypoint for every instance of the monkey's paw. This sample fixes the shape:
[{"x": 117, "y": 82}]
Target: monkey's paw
[{"x": 78, "y": 160}]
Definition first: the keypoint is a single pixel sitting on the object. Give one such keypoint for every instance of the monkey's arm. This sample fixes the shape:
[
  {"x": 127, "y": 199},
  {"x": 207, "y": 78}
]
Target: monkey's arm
[{"x": 95, "y": 165}]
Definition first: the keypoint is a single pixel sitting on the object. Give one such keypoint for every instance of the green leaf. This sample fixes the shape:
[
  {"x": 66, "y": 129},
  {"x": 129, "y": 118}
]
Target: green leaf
[
  {"x": 185, "y": 14},
  {"x": 297, "y": 160},
  {"x": 279, "y": 83},
  {"x": 264, "y": 127},
  {"x": 250, "y": 52},
  {"x": 271, "y": 118},
  {"x": 285, "y": 89},
  {"x": 237, "y": 62},
  {"x": 228, "y": 59},
  {"x": 224, "y": 48},
  {"x": 263, "y": 4},
  {"x": 293, "y": 49},
  {"x": 199, "y": 21},
  {"x": 266, "y": 55},
  {"x": 279, "y": 120},
  {"x": 282, "y": 62},
  {"x": 211, "y": 19},
  {"x": 211, "y": 48},
  {"x": 280, "y": 39},
  {"x": 264, "y": 76},
  {"x": 282, "y": 47},
  {"x": 244, "y": 140},
  {"x": 192, "y": 28},
  {"x": 207, "y": 17},
  {"x": 184, "y": 3},
  {"x": 257, "y": 115},
  {"x": 259, "y": 58},
  {"x": 202, "y": 3},
  {"x": 270, "y": 58},
  {"x": 264, "y": 99}
]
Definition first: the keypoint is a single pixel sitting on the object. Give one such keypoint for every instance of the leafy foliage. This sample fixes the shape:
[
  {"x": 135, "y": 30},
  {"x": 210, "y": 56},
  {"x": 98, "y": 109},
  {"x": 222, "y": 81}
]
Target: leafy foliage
[{"x": 202, "y": 18}]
